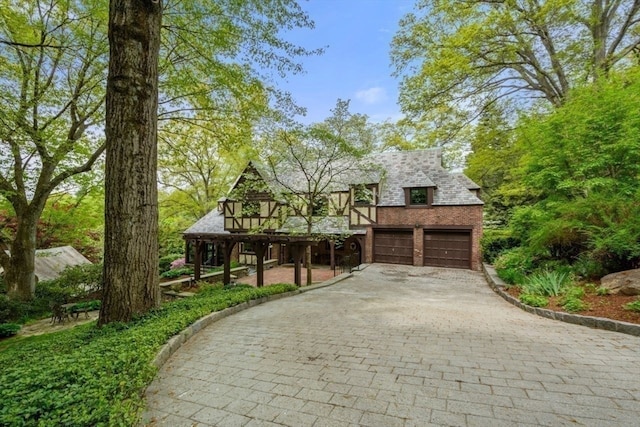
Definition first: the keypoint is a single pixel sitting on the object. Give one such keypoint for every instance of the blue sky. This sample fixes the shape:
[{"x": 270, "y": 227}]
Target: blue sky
[{"x": 356, "y": 63}]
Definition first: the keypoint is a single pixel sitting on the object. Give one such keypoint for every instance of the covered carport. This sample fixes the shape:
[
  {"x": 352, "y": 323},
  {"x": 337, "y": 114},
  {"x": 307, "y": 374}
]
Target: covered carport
[{"x": 260, "y": 243}]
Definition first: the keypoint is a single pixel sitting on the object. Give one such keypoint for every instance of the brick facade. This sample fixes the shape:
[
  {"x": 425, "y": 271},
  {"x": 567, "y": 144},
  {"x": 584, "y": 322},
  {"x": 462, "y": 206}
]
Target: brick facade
[{"x": 437, "y": 217}]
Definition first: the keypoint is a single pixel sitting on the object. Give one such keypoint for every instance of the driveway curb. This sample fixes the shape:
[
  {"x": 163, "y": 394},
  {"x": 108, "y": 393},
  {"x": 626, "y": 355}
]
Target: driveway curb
[
  {"x": 498, "y": 285},
  {"x": 178, "y": 340}
]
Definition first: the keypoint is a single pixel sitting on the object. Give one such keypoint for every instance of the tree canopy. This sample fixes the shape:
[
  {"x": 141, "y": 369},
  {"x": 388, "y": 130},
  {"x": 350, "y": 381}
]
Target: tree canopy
[
  {"x": 53, "y": 56},
  {"x": 457, "y": 58}
]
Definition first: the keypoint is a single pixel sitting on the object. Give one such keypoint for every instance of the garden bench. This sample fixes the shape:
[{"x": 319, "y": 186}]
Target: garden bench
[{"x": 59, "y": 313}]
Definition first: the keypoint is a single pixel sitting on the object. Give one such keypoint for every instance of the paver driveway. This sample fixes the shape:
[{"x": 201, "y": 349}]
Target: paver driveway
[{"x": 398, "y": 346}]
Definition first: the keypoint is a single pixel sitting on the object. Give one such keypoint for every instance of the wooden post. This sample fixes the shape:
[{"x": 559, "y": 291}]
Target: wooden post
[
  {"x": 260, "y": 248},
  {"x": 332, "y": 248},
  {"x": 297, "y": 263},
  {"x": 227, "y": 248},
  {"x": 197, "y": 261}
]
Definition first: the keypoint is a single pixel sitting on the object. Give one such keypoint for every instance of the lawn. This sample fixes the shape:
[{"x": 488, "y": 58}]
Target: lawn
[{"x": 87, "y": 376}]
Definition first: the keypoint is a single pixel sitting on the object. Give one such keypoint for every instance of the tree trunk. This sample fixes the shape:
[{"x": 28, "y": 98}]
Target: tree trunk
[
  {"x": 131, "y": 195},
  {"x": 20, "y": 271}
]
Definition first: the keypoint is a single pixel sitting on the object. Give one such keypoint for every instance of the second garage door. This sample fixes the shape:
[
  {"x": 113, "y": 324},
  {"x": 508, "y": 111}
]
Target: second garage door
[
  {"x": 393, "y": 247},
  {"x": 447, "y": 248}
]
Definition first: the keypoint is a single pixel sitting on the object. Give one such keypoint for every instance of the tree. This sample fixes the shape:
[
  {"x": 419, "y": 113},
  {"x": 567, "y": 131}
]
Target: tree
[
  {"x": 52, "y": 62},
  {"x": 493, "y": 165},
  {"x": 131, "y": 195},
  {"x": 583, "y": 162},
  {"x": 308, "y": 163},
  {"x": 198, "y": 165},
  {"x": 456, "y": 59}
]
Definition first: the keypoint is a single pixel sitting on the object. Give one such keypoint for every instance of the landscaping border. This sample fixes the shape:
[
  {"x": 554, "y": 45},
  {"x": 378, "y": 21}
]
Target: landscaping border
[
  {"x": 497, "y": 284},
  {"x": 175, "y": 342}
]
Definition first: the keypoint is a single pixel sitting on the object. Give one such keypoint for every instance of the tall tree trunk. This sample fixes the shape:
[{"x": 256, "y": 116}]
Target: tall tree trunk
[
  {"x": 131, "y": 195},
  {"x": 20, "y": 271}
]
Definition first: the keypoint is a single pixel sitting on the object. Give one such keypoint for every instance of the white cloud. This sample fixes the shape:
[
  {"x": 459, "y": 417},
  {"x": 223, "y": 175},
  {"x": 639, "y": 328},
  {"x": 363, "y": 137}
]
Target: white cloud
[{"x": 373, "y": 95}]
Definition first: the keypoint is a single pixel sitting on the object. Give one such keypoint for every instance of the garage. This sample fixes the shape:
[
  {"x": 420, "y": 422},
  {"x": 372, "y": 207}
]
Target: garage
[
  {"x": 393, "y": 246},
  {"x": 447, "y": 248}
]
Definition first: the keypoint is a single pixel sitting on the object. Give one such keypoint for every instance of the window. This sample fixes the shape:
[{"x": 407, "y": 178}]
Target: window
[
  {"x": 320, "y": 206},
  {"x": 418, "y": 196},
  {"x": 247, "y": 248},
  {"x": 363, "y": 195},
  {"x": 251, "y": 209}
]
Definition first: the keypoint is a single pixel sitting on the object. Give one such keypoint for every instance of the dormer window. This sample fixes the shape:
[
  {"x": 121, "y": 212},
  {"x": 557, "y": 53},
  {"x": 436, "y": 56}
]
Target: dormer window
[{"x": 418, "y": 196}]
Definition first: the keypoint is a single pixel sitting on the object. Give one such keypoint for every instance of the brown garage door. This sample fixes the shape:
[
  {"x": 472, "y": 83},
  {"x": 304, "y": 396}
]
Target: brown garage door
[
  {"x": 393, "y": 247},
  {"x": 446, "y": 248}
]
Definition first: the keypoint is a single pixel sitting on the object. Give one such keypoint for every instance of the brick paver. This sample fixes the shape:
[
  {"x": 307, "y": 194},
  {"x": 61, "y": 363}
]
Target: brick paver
[
  {"x": 398, "y": 346},
  {"x": 285, "y": 274}
]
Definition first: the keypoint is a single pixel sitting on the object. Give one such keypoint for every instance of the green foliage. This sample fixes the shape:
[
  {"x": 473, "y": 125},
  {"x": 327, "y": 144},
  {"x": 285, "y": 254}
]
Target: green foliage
[
  {"x": 165, "y": 261},
  {"x": 574, "y": 305},
  {"x": 572, "y": 302},
  {"x": 87, "y": 376},
  {"x": 456, "y": 60},
  {"x": 582, "y": 163},
  {"x": 633, "y": 306},
  {"x": 602, "y": 291},
  {"x": 73, "y": 283},
  {"x": 172, "y": 274},
  {"x": 546, "y": 283},
  {"x": 574, "y": 292},
  {"x": 8, "y": 329},
  {"x": 85, "y": 306},
  {"x": 495, "y": 242},
  {"x": 534, "y": 300},
  {"x": 514, "y": 265}
]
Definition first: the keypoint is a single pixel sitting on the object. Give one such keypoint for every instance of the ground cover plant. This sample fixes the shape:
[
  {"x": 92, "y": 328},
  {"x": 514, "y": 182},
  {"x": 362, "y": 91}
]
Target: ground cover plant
[{"x": 87, "y": 376}]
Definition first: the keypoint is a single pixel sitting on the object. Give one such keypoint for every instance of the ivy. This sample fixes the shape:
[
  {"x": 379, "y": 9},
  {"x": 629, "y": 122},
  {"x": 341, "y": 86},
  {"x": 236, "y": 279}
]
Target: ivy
[{"x": 87, "y": 376}]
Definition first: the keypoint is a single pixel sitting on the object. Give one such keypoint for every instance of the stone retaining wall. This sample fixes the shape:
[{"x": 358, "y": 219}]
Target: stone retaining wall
[{"x": 593, "y": 322}]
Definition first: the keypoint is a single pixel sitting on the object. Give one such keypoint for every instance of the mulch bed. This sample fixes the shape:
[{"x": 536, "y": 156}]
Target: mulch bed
[{"x": 607, "y": 306}]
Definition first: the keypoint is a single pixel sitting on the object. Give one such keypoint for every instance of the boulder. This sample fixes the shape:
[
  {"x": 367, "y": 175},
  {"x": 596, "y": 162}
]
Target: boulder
[{"x": 623, "y": 282}]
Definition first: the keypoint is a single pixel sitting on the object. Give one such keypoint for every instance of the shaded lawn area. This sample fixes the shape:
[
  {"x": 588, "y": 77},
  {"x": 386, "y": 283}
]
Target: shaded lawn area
[{"x": 87, "y": 376}]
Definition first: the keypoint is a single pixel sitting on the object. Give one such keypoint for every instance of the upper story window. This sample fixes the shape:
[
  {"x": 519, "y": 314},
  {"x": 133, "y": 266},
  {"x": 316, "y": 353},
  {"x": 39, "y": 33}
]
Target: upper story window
[
  {"x": 419, "y": 196},
  {"x": 320, "y": 206},
  {"x": 251, "y": 209},
  {"x": 364, "y": 195}
]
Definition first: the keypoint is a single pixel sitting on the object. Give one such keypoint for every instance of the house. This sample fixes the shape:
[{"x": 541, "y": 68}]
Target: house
[{"x": 401, "y": 207}]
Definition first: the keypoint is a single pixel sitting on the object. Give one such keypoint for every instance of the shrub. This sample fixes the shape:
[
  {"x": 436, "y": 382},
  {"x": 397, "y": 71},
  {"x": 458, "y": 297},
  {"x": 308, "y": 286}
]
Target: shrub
[
  {"x": 573, "y": 305},
  {"x": 574, "y": 292},
  {"x": 534, "y": 300},
  {"x": 178, "y": 263},
  {"x": 546, "y": 283},
  {"x": 633, "y": 306},
  {"x": 172, "y": 274},
  {"x": 8, "y": 329},
  {"x": 73, "y": 283},
  {"x": 513, "y": 265},
  {"x": 495, "y": 242},
  {"x": 602, "y": 291},
  {"x": 165, "y": 261}
]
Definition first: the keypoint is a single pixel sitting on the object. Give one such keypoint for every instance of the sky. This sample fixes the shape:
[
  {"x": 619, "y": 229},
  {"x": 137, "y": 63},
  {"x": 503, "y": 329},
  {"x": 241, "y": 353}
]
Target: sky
[{"x": 356, "y": 64}]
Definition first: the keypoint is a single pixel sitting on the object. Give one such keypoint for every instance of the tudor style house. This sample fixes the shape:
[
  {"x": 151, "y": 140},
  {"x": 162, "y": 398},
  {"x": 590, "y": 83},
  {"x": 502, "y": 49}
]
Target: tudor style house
[{"x": 407, "y": 210}]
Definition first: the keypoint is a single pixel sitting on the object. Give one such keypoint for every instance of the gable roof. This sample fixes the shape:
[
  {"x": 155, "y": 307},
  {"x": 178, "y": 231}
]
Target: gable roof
[
  {"x": 49, "y": 263},
  {"x": 421, "y": 168},
  {"x": 393, "y": 171},
  {"x": 213, "y": 222}
]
